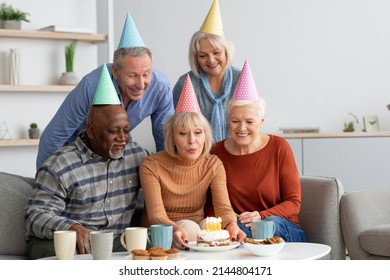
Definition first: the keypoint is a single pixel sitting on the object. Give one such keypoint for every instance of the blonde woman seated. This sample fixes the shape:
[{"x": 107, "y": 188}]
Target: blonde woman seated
[{"x": 176, "y": 181}]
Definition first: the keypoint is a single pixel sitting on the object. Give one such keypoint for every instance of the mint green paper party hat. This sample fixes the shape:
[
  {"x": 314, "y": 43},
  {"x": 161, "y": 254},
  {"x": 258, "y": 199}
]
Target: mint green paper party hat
[
  {"x": 105, "y": 91},
  {"x": 130, "y": 36}
]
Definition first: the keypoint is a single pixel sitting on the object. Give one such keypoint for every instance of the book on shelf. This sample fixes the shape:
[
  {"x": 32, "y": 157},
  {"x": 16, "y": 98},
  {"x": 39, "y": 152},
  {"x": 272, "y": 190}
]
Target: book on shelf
[
  {"x": 69, "y": 29},
  {"x": 300, "y": 129}
]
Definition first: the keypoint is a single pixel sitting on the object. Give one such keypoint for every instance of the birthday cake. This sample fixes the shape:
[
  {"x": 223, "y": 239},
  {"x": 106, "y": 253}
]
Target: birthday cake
[{"x": 213, "y": 235}]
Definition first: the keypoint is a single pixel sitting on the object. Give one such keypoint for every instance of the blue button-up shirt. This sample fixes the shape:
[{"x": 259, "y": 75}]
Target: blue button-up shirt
[{"x": 71, "y": 117}]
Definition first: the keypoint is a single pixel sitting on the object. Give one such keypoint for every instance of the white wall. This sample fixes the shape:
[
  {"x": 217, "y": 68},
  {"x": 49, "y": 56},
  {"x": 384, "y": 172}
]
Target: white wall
[
  {"x": 313, "y": 60},
  {"x": 42, "y": 62}
]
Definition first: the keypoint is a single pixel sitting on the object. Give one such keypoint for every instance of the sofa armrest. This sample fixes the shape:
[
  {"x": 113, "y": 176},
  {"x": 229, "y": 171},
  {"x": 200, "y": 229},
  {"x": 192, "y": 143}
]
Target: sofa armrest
[
  {"x": 360, "y": 211},
  {"x": 320, "y": 213}
]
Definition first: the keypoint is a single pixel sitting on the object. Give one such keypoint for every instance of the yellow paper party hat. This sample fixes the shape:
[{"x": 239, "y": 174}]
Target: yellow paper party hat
[
  {"x": 105, "y": 91},
  {"x": 213, "y": 22}
]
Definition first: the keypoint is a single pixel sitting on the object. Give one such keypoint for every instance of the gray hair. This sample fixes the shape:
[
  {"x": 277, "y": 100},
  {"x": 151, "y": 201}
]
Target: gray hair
[
  {"x": 120, "y": 53},
  {"x": 217, "y": 41}
]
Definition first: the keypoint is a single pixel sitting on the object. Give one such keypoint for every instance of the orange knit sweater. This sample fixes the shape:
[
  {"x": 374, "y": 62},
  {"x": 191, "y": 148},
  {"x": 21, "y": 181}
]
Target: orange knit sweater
[{"x": 175, "y": 191}]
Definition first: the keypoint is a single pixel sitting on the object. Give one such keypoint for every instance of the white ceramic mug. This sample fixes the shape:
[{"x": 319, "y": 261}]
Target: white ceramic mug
[
  {"x": 134, "y": 238},
  {"x": 101, "y": 244},
  {"x": 65, "y": 244}
]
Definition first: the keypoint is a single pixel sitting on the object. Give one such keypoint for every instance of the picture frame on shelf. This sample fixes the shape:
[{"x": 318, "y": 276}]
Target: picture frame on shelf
[{"x": 371, "y": 123}]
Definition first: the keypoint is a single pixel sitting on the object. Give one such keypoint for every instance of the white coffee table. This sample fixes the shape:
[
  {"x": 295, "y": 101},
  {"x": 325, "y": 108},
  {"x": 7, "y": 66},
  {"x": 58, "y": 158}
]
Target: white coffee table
[{"x": 291, "y": 251}]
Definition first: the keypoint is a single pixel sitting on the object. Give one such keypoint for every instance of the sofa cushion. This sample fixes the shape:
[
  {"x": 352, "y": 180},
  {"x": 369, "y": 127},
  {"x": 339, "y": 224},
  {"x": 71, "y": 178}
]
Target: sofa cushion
[
  {"x": 376, "y": 240},
  {"x": 14, "y": 193}
]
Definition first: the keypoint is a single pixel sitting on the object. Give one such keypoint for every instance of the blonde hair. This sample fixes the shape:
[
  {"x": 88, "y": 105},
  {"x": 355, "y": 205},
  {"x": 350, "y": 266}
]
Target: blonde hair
[
  {"x": 217, "y": 41},
  {"x": 186, "y": 120}
]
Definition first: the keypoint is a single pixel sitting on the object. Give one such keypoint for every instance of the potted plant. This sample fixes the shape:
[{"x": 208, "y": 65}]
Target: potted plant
[
  {"x": 349, "y": 127},
  {"x": 349, "y": 123},
  {"x": 11, "y": 18},
  {"x": 33, "y": 131},
  {"x": 69, "y": 77}
]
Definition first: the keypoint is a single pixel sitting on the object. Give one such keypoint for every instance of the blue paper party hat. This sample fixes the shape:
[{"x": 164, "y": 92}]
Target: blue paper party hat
[{"x": 130, "y": 36}]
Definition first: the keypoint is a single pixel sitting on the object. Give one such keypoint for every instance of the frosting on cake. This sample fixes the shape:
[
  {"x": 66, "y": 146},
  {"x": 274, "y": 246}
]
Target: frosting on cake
[
  {"x": 213, "y": 238},
  {"x": 213, "y": 234}
]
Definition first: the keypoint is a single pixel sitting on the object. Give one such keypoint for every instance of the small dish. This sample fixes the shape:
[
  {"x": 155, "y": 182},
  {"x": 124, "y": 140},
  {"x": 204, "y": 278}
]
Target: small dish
[{"x": 264, "y": 250}]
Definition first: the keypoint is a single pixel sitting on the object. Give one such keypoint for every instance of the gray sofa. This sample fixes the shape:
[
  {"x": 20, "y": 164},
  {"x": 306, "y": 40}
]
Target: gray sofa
[
  {"x": 365, "y": 221},
  {"x": 14, "y": 192},
  {"x": 319, "y": 215}
]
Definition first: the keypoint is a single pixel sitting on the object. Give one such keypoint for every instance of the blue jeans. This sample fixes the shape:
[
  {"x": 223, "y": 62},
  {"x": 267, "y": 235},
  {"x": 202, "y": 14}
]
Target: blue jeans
[{"x": 287, "y": 230}]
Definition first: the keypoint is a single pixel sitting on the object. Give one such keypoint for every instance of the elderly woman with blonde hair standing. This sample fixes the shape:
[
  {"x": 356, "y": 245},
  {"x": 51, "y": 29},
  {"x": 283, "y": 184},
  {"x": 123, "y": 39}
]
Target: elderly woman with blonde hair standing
[
  {"x": 176, "y": 181},
  {"x": 262, "y": 177},
  {"x": 210, "y": 57}
]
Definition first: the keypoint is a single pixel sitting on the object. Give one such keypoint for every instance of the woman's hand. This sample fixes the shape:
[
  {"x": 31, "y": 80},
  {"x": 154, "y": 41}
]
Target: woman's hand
[
  {"x": 236, "y": 234},
  {"x": 180, "y": 238},
  {"x": 246, "y": 218}
]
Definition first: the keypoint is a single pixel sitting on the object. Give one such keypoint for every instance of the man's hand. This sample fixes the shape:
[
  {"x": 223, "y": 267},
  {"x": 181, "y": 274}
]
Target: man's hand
[{"x": 82, "y": 239}]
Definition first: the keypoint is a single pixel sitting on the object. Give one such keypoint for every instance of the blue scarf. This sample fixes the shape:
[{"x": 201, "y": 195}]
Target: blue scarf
[{"x": 218, "y": 116}]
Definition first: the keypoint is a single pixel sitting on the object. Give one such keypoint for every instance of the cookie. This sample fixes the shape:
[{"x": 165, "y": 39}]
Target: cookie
[
  {"x": 139, "y": 254},
  {"x": 158, "y": 255},
  {"x": 173, "y": 253}
]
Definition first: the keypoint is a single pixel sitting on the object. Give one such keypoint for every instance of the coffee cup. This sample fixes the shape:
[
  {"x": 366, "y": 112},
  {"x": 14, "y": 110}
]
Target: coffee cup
[
  {"x": 101, "y": 244},
  {"x": 65, "y": 244},
  {"x": 134, "y": 238},
  {"x": 262, "y": 229},
  {"x": 161, "y": 236}
]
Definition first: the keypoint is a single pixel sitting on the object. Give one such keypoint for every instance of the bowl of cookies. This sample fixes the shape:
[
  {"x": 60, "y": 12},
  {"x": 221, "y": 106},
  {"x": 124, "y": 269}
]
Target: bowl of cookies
[{"x": 264, "y": 247}]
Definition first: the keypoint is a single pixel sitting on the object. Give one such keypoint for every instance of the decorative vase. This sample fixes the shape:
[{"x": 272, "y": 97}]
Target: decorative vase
[
  {"x": 69, "y": 78},
  {"x": 14, "y": 67},
  {"x": 12, "y": 24},
  {"x": 33, "y": 133}
]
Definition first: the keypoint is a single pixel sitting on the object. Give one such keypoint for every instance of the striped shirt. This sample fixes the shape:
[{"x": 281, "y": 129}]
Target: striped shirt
[{"x": 77, "y": 186}]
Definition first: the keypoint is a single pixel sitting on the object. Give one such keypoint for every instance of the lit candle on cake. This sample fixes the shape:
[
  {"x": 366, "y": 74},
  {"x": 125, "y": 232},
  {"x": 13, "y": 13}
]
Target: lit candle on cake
[{"x": 213, "y": 224}]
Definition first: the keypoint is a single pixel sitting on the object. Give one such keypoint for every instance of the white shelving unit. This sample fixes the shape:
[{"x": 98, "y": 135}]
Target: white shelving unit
[{"x": 41, "y": 35}]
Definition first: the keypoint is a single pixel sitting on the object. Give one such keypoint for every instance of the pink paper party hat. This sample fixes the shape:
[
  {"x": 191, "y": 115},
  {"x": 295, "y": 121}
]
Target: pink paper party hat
[
  {"x": 246, "y": 87},
  {"x": 105, "y": 91},
  {"x": 187, "y": 101},
  {"x": 130, "y": 35},
  {"x": 213, "y": 22}
]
